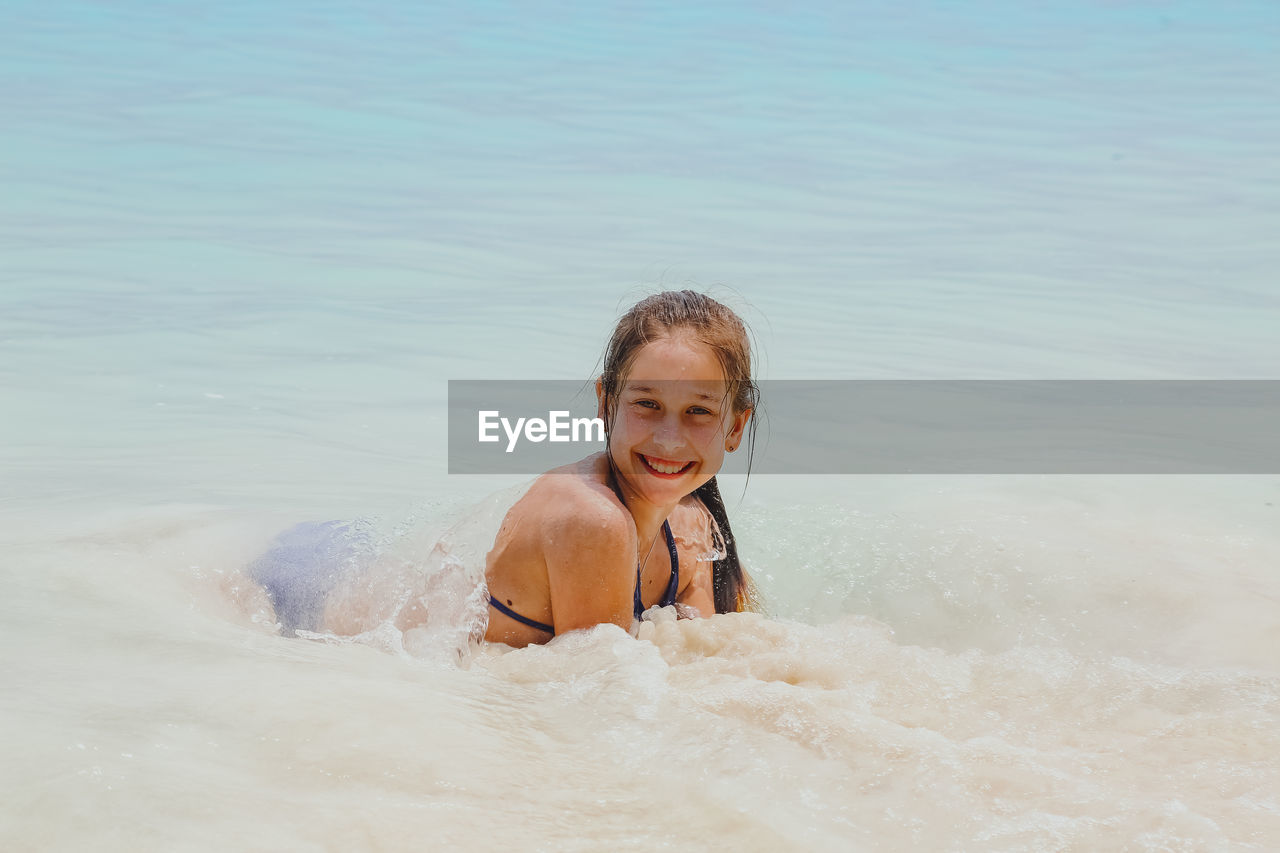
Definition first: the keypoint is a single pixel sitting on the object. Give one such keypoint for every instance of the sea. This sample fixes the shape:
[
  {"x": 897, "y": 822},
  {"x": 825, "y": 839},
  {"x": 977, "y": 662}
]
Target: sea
[{"x": 245, "y": 246}]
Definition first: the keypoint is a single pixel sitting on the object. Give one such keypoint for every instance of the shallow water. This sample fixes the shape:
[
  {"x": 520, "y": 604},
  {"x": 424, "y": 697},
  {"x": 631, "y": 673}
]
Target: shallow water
[
  {"x": 931, "y": 678},
  {"x": 242, "y": 252}
]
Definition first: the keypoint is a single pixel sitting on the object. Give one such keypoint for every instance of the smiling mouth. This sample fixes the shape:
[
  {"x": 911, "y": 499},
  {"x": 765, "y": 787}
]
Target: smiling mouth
[{"x": 664, "y": 468}]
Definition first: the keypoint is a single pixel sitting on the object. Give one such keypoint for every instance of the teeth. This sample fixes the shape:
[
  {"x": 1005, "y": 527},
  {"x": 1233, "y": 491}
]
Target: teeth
[{"x": 665, "y": 467}]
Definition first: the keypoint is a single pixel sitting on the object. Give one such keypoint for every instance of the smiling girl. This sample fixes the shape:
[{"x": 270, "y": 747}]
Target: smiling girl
[{"x": 636, "y": 525}]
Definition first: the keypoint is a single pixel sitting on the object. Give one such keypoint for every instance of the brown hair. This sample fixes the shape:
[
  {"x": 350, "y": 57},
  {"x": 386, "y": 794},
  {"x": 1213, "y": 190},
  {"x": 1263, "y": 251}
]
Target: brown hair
[{"x": 719, "y": 328}]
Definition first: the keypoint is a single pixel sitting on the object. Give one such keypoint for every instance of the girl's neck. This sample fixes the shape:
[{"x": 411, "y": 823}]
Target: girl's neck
[{"x": 648, "y": 517}]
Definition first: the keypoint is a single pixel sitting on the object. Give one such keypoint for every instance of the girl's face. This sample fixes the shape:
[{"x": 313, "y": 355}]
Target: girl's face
[{"x": 673, "y": 422}]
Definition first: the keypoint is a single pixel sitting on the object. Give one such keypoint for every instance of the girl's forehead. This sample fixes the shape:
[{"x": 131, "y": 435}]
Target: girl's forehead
[{"x": 676, "y": 358}]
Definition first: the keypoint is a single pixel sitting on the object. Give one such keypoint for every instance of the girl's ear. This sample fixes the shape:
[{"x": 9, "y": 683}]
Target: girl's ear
[
  {"x": 600, "y": 397},
  {"x": 738, "y": 428}
]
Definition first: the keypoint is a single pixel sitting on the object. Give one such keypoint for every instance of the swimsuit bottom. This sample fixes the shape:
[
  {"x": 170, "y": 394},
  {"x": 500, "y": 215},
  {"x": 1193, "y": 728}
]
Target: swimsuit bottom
[{"x": 302, "y": 567}]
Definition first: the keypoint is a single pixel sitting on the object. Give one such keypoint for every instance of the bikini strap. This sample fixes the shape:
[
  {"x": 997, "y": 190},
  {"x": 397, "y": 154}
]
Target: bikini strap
[
  {"x": 673, "y": 585},
  {"x": 532, "y": 623}
]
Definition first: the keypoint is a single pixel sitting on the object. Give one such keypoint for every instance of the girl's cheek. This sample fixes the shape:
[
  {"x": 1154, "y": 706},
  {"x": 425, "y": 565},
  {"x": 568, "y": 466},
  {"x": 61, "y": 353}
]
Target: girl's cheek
[
  {"x": 708, "y": 435},
  {"x": 633, "y": 425}
]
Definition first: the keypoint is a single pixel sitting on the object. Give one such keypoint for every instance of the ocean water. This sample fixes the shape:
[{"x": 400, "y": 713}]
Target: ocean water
[{"x": 243, "y": 247}]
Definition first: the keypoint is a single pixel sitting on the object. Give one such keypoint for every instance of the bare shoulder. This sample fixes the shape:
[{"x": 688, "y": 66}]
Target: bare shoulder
[{"x": 574, "y": 506}]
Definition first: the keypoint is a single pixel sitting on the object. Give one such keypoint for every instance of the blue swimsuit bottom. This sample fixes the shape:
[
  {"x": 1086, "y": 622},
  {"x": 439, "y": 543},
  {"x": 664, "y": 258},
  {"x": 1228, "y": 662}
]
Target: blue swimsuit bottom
[{"x": 303, "y": 566}]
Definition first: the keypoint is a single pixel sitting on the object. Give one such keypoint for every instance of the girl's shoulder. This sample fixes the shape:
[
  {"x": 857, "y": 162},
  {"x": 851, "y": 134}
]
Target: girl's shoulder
[{"x": 574, "y": 496}]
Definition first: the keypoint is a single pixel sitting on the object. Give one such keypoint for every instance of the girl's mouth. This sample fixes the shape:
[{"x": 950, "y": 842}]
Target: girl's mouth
[{"x": 664, "y": 468}]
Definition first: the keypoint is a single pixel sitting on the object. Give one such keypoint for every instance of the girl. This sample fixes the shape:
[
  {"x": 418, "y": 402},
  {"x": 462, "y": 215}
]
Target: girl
[
  {"x": 605, "y": 538},
  {"x": 597, "y": 541}
]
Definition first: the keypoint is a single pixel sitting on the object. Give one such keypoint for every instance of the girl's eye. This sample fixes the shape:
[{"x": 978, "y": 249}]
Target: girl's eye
[{"x": 653, "y": 404}]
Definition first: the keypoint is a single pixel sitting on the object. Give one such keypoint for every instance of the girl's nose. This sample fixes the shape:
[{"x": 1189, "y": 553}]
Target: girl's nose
[{"x": 668, "y": 435}]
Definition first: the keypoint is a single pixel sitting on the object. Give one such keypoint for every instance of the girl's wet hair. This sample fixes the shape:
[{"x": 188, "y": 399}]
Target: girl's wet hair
[{"x": 711, "y": 323}]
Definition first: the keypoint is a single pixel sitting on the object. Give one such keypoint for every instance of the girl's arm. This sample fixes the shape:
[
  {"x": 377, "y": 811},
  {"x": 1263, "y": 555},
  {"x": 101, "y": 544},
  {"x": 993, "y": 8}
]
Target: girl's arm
[
  {"x": 590, "y": 554},
  {"x": 697, "y": 593},
  {"x": 693, "y": 541}
]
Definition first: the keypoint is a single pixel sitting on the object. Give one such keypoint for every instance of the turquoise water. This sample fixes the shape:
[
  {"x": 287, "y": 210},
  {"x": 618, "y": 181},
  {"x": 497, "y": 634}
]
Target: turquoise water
[
  {"x": 322, "y": 212},
  {"x": 243, "y": 247}
]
